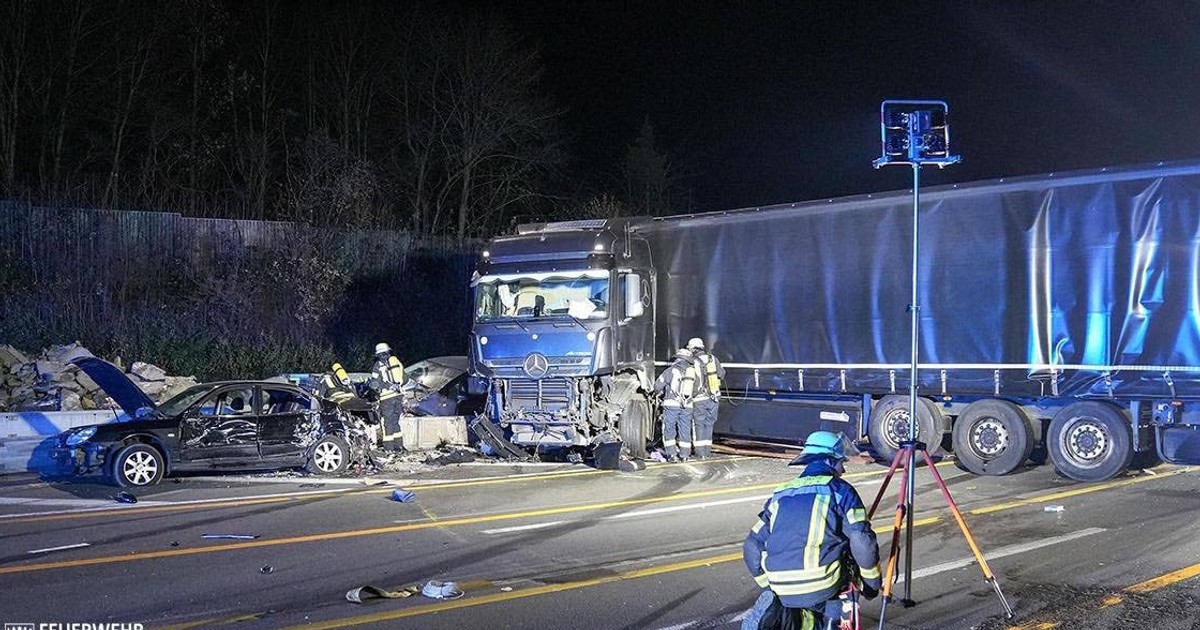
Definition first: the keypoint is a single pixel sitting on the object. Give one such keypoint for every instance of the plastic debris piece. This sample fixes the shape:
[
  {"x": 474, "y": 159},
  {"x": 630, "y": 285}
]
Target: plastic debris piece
[
  {"x": 363, "y": 593},
  {"x": 266, "y": 569},
  {"x": 124, "y": 497},
  {"x": 174, "y": 543},
  {"x": 402, "y": 495},
  {"x": 231, "y": 536},
  {"x": 374, "y": 482},
  {"x": 1054, "y": 508},
  {"x": 436, "y": 589},
  {"x": 506, "y": 588}
]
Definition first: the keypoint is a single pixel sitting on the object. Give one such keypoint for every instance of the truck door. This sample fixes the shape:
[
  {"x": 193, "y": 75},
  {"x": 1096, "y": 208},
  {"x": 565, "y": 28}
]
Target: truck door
[{"x": 222, "y": 426}]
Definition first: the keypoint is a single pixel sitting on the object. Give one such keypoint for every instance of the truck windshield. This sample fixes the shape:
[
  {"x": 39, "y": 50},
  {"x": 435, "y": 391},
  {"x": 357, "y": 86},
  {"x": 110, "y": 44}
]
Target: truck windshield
[{"x": 582, "y": 295}]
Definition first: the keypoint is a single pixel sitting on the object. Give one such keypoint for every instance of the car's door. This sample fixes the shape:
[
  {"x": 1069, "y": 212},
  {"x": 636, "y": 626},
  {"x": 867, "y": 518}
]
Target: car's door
[
  {"x": 222, "y": 426},
  {"x": 288, "y": 423}
]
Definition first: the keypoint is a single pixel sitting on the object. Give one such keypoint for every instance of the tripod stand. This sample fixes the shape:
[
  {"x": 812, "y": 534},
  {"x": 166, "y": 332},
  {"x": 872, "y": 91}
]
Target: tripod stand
[{"x": 907, "y": 457}]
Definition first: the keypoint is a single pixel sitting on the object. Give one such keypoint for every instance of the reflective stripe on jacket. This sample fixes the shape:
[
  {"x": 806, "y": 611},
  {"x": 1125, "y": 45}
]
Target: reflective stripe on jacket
[{"x": 805, "y": 532}]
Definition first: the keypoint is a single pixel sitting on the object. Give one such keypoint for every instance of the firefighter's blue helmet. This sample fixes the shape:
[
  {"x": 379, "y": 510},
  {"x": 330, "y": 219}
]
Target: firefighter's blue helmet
[{"x": 820, "y": 444}]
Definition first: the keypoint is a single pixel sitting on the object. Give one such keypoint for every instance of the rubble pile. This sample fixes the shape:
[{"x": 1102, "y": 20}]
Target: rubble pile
[{"x": 48, "y": 382}]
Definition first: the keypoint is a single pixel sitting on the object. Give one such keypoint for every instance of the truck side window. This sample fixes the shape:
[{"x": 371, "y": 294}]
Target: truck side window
[{"x": 633, "y": 292}]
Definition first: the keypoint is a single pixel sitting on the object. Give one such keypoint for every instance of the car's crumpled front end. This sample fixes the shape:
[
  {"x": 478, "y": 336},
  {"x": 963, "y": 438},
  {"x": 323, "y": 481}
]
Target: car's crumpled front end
[{"x": 76, "y": 450}]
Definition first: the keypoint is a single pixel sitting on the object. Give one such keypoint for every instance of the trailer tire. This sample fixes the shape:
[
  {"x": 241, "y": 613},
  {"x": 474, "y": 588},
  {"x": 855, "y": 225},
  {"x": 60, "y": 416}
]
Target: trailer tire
[
  {"x": 637, "y": 425},
  {"x": 1090, "y": 441},
  {"x": 992, "y": 437},
  {"x": 889, "y": 426}
]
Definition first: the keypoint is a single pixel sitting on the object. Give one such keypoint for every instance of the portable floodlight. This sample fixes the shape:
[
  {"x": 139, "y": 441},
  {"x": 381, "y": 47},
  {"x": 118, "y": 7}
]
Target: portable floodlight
[{"x": 914, "y": 132}]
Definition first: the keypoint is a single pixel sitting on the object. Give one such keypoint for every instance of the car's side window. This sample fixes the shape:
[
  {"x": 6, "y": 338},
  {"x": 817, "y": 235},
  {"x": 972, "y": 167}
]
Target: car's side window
[
  {"x": 228, "y": 402},
  {"x": 283, "y": 401}
]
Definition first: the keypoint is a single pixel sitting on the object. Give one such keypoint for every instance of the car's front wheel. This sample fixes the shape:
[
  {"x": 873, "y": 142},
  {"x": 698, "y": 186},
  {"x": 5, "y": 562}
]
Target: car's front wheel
[
  {"x": 329, "y": 456},
  {"x": 138, "y": 465}
]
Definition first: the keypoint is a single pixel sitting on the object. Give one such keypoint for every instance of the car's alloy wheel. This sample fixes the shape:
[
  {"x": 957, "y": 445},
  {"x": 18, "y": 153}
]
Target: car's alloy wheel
[
  {"x": 329, "y": 456},
  {"x": 138, "y": 465}
]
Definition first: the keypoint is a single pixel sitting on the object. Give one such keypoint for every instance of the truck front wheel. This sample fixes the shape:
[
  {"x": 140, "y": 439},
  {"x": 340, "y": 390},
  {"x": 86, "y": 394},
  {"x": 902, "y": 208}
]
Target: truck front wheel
[
  {"x": 992, "y": 437},
  {"x": 636, "y": 427},
  {"x": 1090, "y": 441}
]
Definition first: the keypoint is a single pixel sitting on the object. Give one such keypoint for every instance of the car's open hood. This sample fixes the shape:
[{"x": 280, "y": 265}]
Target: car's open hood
[{"x": 116, "y": 384}]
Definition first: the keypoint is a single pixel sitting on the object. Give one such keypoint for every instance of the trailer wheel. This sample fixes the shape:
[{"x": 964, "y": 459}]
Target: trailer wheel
[
  {"x": 889, "y": 425},
  {"x": 636, "y": 426},
  {"x": 992, "y": 437},
  {"x": 1090, "y": 441}
]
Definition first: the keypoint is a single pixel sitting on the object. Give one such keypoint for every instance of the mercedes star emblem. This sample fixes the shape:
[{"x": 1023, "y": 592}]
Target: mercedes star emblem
[{"x": 536, "y": 365}]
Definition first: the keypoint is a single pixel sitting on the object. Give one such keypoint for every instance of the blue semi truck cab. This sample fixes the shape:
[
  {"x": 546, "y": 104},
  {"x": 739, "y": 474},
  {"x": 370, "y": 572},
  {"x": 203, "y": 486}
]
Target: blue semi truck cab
[{"x": 563, "y": 333}]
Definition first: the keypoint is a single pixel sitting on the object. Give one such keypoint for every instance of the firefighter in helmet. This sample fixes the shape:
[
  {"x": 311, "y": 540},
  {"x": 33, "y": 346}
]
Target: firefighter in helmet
[{"x": 389, "y": 372}]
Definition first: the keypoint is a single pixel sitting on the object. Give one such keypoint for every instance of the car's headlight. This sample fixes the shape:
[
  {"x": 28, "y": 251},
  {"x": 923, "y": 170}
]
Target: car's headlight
[{"x": 81, "y": 436}]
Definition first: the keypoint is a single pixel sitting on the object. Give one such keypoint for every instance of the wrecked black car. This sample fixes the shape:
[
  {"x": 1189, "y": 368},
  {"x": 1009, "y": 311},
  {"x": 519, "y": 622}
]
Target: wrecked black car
[{"x": 233, "y": 425}]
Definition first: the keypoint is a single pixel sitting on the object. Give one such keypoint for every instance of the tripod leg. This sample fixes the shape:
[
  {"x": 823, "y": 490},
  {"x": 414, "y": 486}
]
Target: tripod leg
[
  {"x": 883, "y": 486},
  {"x": 962, "y": 524},
  {"x": 894, "y": 550}
]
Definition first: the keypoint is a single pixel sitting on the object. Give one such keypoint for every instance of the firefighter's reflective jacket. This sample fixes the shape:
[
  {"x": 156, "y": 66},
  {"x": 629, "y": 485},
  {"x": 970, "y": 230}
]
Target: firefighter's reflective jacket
[
  {"x": 390, "y": 373},
  {"x": 677, "y": 383},
  {"x": 807, "y": 532}
]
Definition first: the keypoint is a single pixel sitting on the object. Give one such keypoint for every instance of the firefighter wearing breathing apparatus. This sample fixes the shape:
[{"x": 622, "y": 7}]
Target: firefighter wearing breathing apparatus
[
  {"x": 812, "y": 538},
  {"x": 709, "y": 373},
  {"x": 389, "y": 372},
  {"x": 677, "y": 385}
]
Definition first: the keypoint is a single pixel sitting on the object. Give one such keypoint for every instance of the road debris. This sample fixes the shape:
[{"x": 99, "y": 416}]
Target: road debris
[
  {"x": 267, "y": 569},
  {"x": 363, "y": 593},
  {"x": 1054, "y": 508},
  {"x": 124, "y": 497},
  {"x": 403, "y": 496},
  {"x": 436, "y": 589},
  {"x": 231, "y": 536}
]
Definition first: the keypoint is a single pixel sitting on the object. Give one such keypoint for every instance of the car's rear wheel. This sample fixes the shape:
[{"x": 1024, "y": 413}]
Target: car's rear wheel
[
  {"x": 138, "y": 465},
  {"x": 329, "y": 456}
]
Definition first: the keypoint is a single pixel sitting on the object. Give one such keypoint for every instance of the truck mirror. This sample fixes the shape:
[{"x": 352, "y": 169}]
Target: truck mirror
[{"x": 633, "y": 296}]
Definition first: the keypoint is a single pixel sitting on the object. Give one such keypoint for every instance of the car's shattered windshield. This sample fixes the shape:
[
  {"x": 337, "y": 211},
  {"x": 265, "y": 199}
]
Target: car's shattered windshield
[{"x": 582, "y": 295}]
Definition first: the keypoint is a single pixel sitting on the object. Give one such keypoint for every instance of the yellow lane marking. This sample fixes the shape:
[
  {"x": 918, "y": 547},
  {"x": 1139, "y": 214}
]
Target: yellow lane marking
[
  {"x": 1109, "y": 601},
  {"x": 1173, "y": 577}
]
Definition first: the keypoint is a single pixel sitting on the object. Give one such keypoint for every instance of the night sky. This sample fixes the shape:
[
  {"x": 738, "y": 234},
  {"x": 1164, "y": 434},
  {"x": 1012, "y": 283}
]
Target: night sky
[{"x": 775, "y": 101}]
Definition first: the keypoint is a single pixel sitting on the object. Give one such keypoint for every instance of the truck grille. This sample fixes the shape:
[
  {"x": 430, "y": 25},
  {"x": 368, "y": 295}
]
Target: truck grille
[{"x": 547, "y": 394}]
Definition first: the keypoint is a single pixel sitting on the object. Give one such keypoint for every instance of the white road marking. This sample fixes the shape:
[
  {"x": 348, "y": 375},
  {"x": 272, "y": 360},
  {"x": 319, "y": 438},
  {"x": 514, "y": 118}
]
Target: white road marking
[
  {"x": 1002, "y": 552},
  {"x": 662, "y": 510},
  {"x": 49, "y": 549},
  {"x": 714, "y": 622}
]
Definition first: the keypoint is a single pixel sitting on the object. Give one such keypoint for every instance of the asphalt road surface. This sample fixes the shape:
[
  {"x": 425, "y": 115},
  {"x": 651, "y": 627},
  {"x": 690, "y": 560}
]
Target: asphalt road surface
[{"x": 571, "y": 547}]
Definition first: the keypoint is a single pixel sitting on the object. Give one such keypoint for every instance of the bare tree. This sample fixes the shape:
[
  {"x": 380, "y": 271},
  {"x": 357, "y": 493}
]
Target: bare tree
[{"x": 14, "y": 36}]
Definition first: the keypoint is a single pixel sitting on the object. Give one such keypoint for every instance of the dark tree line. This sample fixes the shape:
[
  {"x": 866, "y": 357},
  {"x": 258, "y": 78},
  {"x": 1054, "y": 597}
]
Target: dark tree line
[{"x": 365, "y": 114}]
